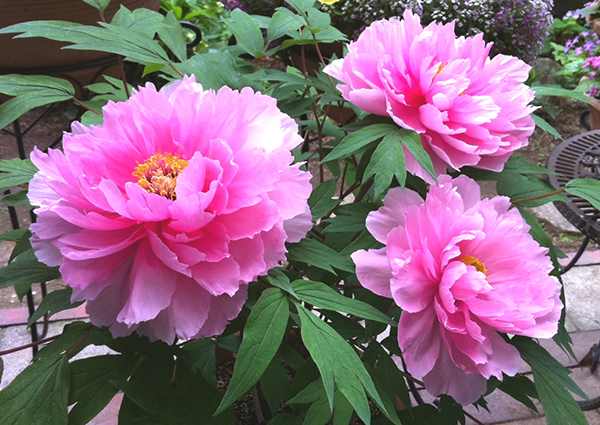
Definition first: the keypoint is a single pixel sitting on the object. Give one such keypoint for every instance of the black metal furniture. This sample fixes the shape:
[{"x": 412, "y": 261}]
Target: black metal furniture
[{"x": 578, "y": 157}]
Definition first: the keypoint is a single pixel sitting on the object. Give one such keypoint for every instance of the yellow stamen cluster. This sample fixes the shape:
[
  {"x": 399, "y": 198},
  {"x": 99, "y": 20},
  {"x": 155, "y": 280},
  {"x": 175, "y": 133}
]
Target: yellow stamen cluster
[
  {"x": 158, "y": 174},
  {"x": 475, "y": 262}
]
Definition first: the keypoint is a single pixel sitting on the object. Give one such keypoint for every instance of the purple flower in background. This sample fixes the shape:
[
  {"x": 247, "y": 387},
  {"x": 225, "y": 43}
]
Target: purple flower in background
[
  {"x": 594, "y": 92},
  {"x": 578, "y": 51}
]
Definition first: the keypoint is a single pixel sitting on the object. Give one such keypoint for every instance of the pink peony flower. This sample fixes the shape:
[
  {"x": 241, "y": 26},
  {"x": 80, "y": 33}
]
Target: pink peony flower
[
  {"x": 161, "y": 216},
  {"x": 469, "y": 109},
  {"x": 462, "y": 269}
]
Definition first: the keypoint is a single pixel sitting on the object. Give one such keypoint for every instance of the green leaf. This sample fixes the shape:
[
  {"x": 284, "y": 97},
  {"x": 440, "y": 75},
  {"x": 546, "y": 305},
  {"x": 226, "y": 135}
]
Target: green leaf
[
  {"x": 133, "y": 44},
  {"x": 319, "y": 412},
  {"x": 200, "y": 357},
  {"x": 560, "y": 92},
  {"x": 286, "y": 419},
  {"x": 54, "y": 302},
  {"x": 521, "y": 388},
  {"x": 387, "y": 161},
  {"x": 27, "y": 269},
  {"x": 275, "y": 385},
  {"x": 13, "y": 235},
  {"x": 545, "y": 125},
  {"x": 171, "y": 33},
  {"x": 38, "y": 396},
  {"x": 282, "y": 24},
  {"x": 247, "y": 33},
  {"x": 588, "y": 189},
  {"x": 349, "y": 375},
  {"x": 262, "y": 337},
  {"x": 169, "y": 393},
  {"x": 321, "y": 199},
  {"x": 552, "y": 382},
  {"x": 355, "y": 142},
  {"x": 18, "y": 85},
  {"x": 279, "y": 279},
  {"x": 412, "y": 141},
  {"x": 101, "y": 5},
  {"x": 301, "y": 6},
  {"x": 316, "y": 254},
  {"x": 142, "y": 20},
  {"x": 22, "y": 246},
  {"x": 350, "y": 218},
  {"x": 519, "y": 187},
  {"x": 342, "y": 410},
  {"x": 91, "y": 389},
  {"x": 322, "y": 296},
  {"x": 213, "y": 70},
  {"x": 16, "y": 107},
  {"x": 15, "y": 199}
]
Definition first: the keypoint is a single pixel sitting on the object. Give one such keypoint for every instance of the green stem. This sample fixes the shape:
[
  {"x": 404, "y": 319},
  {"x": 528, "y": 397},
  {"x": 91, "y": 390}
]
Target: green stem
[
  {"x": 534, "y": 198},
  {"x": 84, "y": 106}
]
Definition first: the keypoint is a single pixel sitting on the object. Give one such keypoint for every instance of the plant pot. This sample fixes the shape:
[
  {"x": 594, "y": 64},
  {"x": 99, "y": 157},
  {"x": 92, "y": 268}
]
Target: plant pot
[
  {"x": 25, "y": 53},
  {"x": 594, "y": 118}
]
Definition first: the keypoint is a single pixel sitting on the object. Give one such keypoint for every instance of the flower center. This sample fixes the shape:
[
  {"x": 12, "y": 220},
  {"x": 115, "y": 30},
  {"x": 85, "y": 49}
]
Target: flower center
[
  {"x": 158, "y": 174},
  {"x": 469, "y": 260}
]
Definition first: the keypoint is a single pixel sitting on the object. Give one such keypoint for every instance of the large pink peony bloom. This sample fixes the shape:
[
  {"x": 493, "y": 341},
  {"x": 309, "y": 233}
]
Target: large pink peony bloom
[
  {"x": 462, "y": 269},
  {"x": 469, "y": 109},
  {"x": 161, "y": 216}
]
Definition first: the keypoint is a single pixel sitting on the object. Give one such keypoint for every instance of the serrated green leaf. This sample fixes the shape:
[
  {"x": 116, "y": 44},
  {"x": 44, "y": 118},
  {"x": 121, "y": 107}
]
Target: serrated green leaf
[
  {"x": 27, "y": 269},
  {"x": 387, "y": 161},
  {"x": 262, "y": 337},
  {"x": 37, "y": 396},
  {"x": 91, "y": 389},
  {"x": 553, "y": 384},
  {"x": 52, "y": 303},
  {"x": 357, "y": 141},
  {"x": 247, "y": 33},
  {"x": 316, "y": 254},
  {"x": 322, "y": 296},
  {"x": 321, "y": 199},
  {"x": 200, "y": 357},
  {"x": 349, "y": 376},
  {"x": 412, "y": 141},
  {"x": 588, "y": 189},
  {"x": 101, "y": 5}
]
